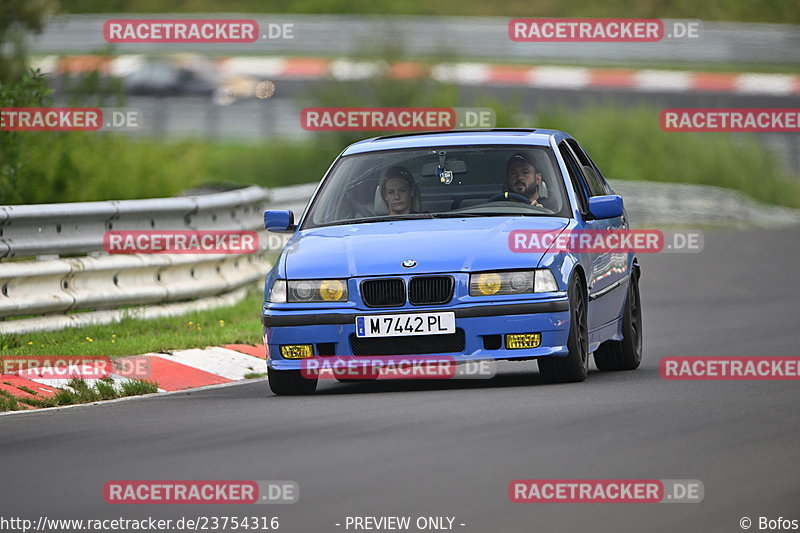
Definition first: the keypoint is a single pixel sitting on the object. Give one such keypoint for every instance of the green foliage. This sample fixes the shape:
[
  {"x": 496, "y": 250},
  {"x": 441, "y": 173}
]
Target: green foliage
[
  {"x": 30, "y": 90},
  {"x": 79, "y": 391},
  {"x": 86, "y": 166},
  {"x": 628, "y": 144},
  {"x": 91, "y": 166},
  {"x": 17, "y": 17},
  {"x": 138, "y": 387},
  {"x": 8, "y": 402},
  {"x": 19, "y": 86},
  {"x": 733, "y": 10}
]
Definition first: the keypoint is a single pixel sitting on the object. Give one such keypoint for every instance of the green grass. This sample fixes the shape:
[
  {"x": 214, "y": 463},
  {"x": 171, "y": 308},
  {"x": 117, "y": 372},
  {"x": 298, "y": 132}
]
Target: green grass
[
  {"x": 235, "y": 324},
  {"x": 84, "y": 167},
  {"x": 226, "y": 325},
  {"x": 78, "y": 391},
  {"x": 627, "y": 144},
  {"x": 8, "y": 402},
  {"x": 733, "y": 10}
]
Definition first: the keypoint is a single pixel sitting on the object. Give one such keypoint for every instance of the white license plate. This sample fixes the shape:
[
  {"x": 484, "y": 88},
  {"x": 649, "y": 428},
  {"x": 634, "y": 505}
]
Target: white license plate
[{"x": 406, "y": 325}]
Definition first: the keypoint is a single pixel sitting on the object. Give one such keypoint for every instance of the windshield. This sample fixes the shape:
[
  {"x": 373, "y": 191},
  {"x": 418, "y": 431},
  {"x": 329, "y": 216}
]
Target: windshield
[{"x": 458, "y": 181}]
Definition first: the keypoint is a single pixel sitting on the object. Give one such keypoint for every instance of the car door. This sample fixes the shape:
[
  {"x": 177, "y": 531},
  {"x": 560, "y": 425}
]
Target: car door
[{"x": 608, "y": 270}]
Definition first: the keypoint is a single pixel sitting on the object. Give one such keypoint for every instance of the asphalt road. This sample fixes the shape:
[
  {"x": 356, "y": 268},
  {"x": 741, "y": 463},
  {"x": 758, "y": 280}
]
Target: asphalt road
[{"x": 451, "y": 448}]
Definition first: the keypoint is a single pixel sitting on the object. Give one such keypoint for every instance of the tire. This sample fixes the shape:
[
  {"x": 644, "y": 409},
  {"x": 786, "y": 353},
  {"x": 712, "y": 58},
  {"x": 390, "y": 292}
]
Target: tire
[
  {"x": 290, "y": 383},
  {"x": 575, "y": 366},
  {"x": 627, "y": 353}
]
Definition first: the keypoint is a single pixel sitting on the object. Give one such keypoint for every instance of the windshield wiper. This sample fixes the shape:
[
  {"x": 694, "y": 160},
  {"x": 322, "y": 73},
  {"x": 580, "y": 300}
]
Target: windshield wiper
[
  {"x": 490, "y": 214},
  {"x": 386, "y": 218}
]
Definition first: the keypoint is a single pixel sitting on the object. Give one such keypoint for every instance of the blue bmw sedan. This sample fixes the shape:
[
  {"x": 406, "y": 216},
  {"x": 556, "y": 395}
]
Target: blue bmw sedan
[{"x": 406, "y": 249}]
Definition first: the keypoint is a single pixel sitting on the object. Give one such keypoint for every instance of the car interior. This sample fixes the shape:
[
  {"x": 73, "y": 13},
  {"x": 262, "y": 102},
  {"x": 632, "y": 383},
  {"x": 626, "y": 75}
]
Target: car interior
[{"x": 450, "y": 179}]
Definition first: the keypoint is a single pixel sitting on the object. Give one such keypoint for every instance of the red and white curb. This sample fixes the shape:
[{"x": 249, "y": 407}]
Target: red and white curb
[
  {"x": 177, "y": 371},
  {"x": 465, "y": 73}
]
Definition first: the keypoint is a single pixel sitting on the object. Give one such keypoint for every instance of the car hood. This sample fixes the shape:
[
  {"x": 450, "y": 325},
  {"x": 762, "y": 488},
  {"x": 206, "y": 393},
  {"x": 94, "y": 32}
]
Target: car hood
[{"x": 437, "y": 245}]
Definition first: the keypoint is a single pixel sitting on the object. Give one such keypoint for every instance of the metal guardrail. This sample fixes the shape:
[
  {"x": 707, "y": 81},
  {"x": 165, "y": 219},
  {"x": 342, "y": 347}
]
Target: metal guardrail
[
  {"x": 78, "y": 228},
  {"x": 34, "y": 280}
]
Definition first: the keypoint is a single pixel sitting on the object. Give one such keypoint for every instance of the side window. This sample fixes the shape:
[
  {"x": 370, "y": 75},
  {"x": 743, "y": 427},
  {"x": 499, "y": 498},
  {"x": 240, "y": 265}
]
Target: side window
[
  {"x": 575, "y": 176},
  {"x": 594, "y": 178}
]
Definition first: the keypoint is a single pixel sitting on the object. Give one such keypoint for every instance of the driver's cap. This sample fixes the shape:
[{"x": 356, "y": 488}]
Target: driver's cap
[{"x": 518, "y": 158}]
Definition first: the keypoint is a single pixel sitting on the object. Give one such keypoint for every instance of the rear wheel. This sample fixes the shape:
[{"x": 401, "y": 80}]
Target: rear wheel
[
  {"x": 290, "y": 382},
  {"x": 627, "y": 353},
  {"x": 575, "y": 366}
]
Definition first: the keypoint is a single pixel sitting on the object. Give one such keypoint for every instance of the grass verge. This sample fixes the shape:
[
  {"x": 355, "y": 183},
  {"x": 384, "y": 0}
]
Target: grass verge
[
  {"x": 78, "y": 391},
  {"x": 237, "y": 324}
]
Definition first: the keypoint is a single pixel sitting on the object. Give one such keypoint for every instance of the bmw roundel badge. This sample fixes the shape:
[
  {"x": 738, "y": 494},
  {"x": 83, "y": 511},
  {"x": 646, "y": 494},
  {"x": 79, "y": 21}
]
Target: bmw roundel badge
[{"x": 409, "y": 263}]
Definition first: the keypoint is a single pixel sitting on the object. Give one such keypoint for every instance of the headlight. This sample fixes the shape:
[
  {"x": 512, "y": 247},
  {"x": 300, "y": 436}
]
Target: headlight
[
  {"x": 517, "y": 282},
  {"x": 317, "y": 290},
  {"x": 277, "y": 294},
  {"x": 496, "y": 283}
]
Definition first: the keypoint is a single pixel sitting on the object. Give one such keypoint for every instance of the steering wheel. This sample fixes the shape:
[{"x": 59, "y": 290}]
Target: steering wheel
[
  {"x": 510, "y": 196},
  {"x": 359, "y": 209}
]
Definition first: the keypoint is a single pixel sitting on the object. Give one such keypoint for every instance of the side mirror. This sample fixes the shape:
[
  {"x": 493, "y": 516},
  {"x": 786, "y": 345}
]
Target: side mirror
[
  {"x": 609, "y": 206},
  {"x": 279, "y": 221}
]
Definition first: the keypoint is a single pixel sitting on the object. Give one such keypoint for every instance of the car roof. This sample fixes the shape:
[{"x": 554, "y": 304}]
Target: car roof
[{"x": 504, "y": 136}]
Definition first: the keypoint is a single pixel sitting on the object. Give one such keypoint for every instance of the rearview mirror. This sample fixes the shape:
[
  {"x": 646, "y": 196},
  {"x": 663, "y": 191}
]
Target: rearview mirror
[
  {"x": 279, "y": 221},
  {"x": 455, "y": 166},
  {"x": 609, "y": 206}
]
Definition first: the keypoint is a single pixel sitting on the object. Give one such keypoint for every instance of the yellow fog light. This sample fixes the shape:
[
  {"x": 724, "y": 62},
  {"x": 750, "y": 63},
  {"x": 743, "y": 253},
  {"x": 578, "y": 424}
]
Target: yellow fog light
[
  {"x": 331, "y": 290},
  {"x": 489, "y": 283},
  {"x": 517, "y": 341},
  {"x": 297, "y": 351}
]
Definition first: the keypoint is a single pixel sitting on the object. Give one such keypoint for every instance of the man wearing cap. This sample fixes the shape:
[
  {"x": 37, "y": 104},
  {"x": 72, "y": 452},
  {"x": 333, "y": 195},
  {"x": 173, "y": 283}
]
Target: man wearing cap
[{"x": 523, "y": 178}]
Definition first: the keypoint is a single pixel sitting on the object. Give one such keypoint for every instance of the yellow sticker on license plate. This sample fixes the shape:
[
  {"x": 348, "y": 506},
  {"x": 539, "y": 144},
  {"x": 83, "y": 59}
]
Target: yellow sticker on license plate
[{"x": 523, "y": 340}]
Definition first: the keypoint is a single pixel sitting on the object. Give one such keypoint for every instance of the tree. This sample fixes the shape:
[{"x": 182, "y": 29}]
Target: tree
[{"x": 19, "y": 85}]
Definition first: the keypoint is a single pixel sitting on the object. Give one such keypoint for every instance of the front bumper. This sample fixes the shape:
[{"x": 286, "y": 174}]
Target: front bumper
[{"x": 330, "y": 331}]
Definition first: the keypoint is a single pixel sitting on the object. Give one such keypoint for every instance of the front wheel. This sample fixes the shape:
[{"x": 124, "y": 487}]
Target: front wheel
[
  {"x": 290, "y": 382},
  {"x": 627, "y": 353},
  {"x": 575, "y": 366}
]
